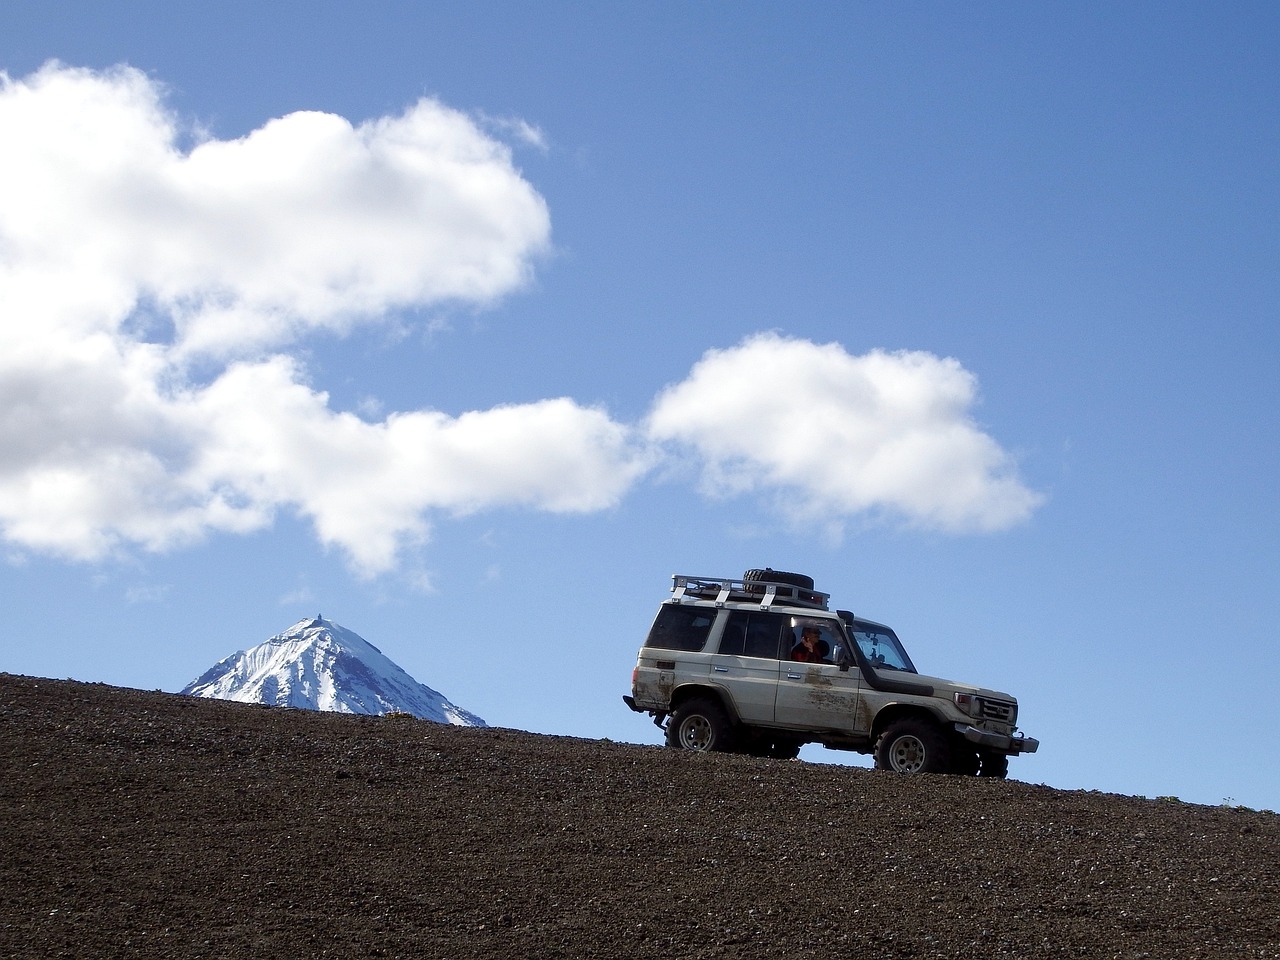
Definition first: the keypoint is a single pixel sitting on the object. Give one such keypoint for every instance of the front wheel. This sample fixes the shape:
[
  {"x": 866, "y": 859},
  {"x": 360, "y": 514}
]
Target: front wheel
[
  {"x": 701, "y": 726},
  {"x": 912, "y": 745}
]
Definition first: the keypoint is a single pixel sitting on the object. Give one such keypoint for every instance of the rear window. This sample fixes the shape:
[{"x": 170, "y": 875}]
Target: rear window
[{"x": 680, "y": 628}]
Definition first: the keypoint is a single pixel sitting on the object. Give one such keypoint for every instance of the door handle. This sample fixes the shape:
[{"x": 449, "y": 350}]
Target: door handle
[
  {"x": 795, "y": 676},
  {"x": 720, "y": 669}
]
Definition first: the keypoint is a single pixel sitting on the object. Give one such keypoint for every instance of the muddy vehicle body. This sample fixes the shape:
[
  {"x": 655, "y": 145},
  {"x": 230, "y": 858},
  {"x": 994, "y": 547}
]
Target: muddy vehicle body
[{"x": 762, "y": 666}]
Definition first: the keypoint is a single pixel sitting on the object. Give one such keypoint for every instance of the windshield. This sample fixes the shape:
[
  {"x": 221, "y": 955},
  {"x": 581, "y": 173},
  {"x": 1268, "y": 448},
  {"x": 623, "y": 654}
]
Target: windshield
[{"x": 881, "y": 648}]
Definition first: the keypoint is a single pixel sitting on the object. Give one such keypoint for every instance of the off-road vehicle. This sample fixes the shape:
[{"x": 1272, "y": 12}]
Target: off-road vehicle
[{"x": 762, "y": 666}]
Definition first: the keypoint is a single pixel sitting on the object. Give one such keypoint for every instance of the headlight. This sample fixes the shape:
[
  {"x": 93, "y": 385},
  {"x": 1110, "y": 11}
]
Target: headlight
[{"x": 968, "y": 703}]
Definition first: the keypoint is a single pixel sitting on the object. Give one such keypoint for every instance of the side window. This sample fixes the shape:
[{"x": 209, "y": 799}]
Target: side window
[
  {"x": 734, "y": 638},
  {"x": 882, "y": 649},
  {"x": 680, "y": 628},
  {"x": 750, "y": 634},
  {"x": 814, "y": 640}
]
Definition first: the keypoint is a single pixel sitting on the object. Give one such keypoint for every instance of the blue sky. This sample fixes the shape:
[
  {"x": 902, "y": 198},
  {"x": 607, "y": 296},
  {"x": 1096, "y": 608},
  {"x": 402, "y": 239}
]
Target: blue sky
[{"x": 467, "y": 325}]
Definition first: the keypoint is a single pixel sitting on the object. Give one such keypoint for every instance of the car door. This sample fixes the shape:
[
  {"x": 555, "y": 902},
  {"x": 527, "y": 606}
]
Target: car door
[
  {"x": 746, "y": 662},
  {"x": 819, "y": 696}
]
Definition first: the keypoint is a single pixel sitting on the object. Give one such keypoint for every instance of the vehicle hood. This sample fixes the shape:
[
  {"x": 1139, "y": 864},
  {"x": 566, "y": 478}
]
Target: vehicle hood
[{"x": 945, "y": 688}]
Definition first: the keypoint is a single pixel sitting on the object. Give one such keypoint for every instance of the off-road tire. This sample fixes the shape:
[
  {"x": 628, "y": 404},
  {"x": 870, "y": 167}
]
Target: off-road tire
[
  {"x": 779, "y": 576},
  {"x": 994, "y": 765},
  {"x": 912, "y": 745},
  {"x": 700, "y": 725}
]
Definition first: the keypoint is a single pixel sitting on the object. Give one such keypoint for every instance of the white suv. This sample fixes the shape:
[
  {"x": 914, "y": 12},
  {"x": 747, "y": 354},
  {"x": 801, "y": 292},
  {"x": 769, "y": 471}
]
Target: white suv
[{"x": 762, "y": 666}]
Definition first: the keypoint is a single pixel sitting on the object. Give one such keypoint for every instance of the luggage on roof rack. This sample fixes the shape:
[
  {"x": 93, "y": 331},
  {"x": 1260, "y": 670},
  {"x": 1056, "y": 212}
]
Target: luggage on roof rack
[{"x": 767, "y": 593}]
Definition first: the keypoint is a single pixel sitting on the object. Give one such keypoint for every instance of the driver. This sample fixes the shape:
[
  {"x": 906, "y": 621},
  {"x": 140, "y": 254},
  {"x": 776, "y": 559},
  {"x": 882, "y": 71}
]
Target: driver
[{"x": 810, "y": 649}]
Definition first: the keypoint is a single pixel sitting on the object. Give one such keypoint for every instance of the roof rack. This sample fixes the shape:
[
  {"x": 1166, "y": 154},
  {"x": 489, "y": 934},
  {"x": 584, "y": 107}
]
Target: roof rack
[{"x": 764, "y": 592}]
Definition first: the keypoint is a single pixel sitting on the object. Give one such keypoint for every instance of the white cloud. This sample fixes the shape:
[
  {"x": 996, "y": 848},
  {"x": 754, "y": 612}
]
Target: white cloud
[
  {"x": 836, "y": 435},
  {"x": 305, "y": 222},
  {"x": 368, "y": 486},
  {"x": 146, "y": 593},
  {"x": 148, "y": 292},
  {"x": 124, "y": 258},
  {"x": 518, "y": 129}
]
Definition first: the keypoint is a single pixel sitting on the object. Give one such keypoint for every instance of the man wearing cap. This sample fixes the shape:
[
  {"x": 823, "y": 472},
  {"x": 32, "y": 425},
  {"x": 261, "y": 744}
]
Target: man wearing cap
[{"x": 809, "y": 649}]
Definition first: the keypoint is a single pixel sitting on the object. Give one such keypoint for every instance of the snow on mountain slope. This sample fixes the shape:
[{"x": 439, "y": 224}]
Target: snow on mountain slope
[{"x": 319, "y": 665}]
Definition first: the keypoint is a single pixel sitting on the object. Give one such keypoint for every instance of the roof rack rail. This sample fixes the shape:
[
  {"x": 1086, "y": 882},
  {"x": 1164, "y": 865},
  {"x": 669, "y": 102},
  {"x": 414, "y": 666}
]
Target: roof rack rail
[{"x": 764, "y": 592}]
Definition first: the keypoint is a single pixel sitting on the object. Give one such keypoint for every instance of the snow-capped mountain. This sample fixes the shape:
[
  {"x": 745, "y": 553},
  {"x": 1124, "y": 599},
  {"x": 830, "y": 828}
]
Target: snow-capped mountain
[{"x": 319, "y": 665}]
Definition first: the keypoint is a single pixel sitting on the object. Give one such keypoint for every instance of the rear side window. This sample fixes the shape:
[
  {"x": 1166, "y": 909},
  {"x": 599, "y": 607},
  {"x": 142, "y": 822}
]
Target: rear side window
[
  {"x": 680, "y": 628},
  {"x": 749, "y": 634}
]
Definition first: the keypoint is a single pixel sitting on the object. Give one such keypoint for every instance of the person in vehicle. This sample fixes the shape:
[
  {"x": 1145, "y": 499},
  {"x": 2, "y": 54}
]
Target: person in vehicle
[{"x": 810, "y": 649}]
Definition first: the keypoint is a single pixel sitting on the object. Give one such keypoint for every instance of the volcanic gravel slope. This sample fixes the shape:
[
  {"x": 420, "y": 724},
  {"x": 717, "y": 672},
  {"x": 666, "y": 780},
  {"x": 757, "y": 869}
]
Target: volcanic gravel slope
[{"x": 151, "y": 824}]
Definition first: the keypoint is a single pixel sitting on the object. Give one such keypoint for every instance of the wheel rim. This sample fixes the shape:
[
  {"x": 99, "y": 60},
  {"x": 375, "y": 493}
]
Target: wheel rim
[
  {"x": 696, "y": 733},
  {"x": 907, "y": 754}
]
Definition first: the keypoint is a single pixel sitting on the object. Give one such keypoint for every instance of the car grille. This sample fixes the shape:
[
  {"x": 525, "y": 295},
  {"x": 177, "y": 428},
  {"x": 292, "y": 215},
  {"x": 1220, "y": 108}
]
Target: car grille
[{"x": 1001, "y": 711}]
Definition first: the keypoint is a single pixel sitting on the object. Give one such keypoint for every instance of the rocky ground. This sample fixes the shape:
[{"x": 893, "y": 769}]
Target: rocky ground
[{"x": 150, "y": 824}]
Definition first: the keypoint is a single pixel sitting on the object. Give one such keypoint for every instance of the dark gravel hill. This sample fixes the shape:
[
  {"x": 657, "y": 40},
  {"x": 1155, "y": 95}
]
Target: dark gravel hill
[{"x": 149, "y": 824}]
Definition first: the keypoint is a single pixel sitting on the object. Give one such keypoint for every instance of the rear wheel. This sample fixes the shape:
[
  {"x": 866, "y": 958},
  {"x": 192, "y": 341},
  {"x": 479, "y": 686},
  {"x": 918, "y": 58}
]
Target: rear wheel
[
  {"x": 912, "y": 745},
  {"x": 700, "y": 725}
]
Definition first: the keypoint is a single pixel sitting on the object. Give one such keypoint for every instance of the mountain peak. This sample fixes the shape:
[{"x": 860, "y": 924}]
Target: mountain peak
[{"x": 317, "y": 664}]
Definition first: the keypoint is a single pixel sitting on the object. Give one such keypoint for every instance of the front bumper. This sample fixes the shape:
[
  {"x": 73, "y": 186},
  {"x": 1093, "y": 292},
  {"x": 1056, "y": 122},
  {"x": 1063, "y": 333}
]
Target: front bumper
[{"x": 998, "y": 742}]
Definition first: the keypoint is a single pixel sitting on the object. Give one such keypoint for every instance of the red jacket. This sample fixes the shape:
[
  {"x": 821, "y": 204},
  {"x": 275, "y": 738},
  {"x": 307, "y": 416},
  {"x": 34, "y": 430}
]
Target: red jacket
[{"x": 803, "y": 654}]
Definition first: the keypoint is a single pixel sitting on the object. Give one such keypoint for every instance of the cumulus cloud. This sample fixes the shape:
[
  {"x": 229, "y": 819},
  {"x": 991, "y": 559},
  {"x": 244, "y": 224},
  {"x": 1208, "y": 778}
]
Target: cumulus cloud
[
  {"x": 834, "y": 435},
  {"x": 127, "y": 261},
  {"x": 153, "y": 280},
  {"x": 306, "y": 222},
  {"x": 368, "y": 486}
]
